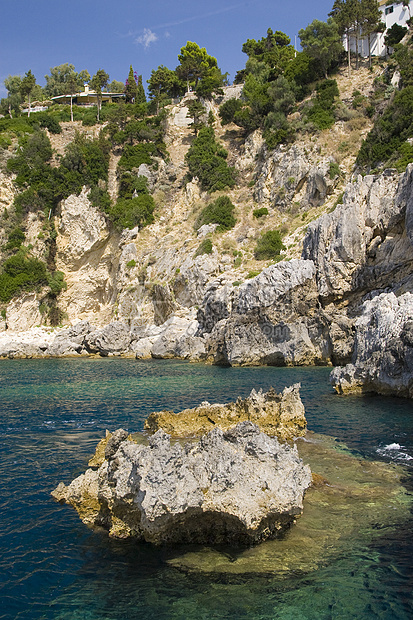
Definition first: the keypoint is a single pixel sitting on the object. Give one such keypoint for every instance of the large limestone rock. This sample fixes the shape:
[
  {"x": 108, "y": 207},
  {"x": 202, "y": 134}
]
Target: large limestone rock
[
  {"x": 237, "y": 487},
  {"x": 383, "y": 355},
  {"x": 281, "y": 415},
  {"x": 87, "y": 254},
  {"x": 293, "y": 174},
  {"x": 275, "y": 318},
  {"x": 364, "y": 244}
]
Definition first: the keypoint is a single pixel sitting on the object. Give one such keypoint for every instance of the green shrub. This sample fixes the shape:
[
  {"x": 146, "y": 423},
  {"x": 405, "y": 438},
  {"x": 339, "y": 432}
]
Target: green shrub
[
  {"x": 56, "y": 282},
  {"x": 46, "y": 121},
  {"x": 134, "y": 212},
  {"x": 390, "y": 131},
  {"x": 19, "y": 273},
  {"x": 260, "y": 212},
  {"x": 16, "y": 238},
  {"x": 269, "y": 245},
  {"x": 131, "y": 263},
  {"x": 252, "y": 274},
  {"x": 221, "y": 212},
  {"x": 228, "y": 110},
  {"x": 206, "y": 160},
  {"x": 205, "y": 247},
  {"x": 134, "y": 156},
  {"x": 334, "y": 170}
]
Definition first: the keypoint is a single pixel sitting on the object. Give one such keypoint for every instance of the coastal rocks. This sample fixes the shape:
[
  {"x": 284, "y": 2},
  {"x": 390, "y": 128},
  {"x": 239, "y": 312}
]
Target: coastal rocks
[
  {"x": 114, "y": 338},
  {"x": 363, "y": 244},
  {"x": 274, "y": 319},
  {"x": 238, "y": 487},
  {"x": 175, "y": 338},
  {"x": 281, "y": 415},
  {"x": 383, "y": 355}
]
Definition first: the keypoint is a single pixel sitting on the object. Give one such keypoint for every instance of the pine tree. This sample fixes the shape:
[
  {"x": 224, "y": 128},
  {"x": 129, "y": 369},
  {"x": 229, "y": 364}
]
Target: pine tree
[
  {"x": 371, "y": 21},
  {"x": 131, "y": 87},
  {"x": 140, "y": 92},
  {"x": 27, "y": 85}
]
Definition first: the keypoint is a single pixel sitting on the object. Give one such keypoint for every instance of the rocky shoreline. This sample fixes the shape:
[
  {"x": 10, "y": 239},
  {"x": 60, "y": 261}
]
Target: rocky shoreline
[{"x": 348, "y": 302}]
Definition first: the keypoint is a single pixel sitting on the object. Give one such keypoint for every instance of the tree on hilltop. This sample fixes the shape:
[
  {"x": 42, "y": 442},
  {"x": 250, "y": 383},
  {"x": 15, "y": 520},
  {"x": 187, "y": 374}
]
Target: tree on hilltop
[
  {"x": 13, "y": 86},
  {"x": 322, "y": 41},
  {"x": 199, "y": 69},
  {"x": 26, "y": 87},
  {"x": 131, "y": 87},
  {"x": 99, "y": 81}
]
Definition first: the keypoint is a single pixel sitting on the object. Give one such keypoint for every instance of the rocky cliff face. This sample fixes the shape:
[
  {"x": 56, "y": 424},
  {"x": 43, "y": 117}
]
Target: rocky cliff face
[
  {"x": 152, "y": 292},
  {"x": 237, "y": 487}
]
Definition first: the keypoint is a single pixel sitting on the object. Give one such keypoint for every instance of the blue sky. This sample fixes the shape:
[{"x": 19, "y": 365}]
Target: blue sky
[{"x": 113, "y": 34}]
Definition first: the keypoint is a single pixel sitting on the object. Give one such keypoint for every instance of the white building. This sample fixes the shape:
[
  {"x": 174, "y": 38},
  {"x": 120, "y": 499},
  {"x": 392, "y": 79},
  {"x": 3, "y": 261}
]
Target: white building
[{"x": 394, "y": 13}]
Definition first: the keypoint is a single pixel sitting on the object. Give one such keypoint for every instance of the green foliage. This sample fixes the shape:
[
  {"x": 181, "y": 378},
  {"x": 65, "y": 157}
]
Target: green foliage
[
  {"x": 252, "y": 274},
  {"x": 206, "y": 160},
  {"x": 390, "y": 131},
  {"x": 140, "y": 92},
  {"x": 131, "y": 263},
  {"x": 334, "y": 170},
  {"x": 322, "y": 41},
  {"x": 128, "y": 213},
  {"x": 47, "y": 121},
  {"x": 228, "y": 110},
  {"x": 406, "y": 156},
  {"x": 394, "y": 35},
  {"x": 131, "y": 88},
  {"x": 274, "y": 51},
  {"x": 56, "y": 282},
  {"x": 205, "y": 247},
  {"x": 260, "y": 212},
  {"x": 196, "y": 110},
  {"x": 404, "y": 58},
  {"x": 321, "y": 113},
  {"x": 199, "y": 69},
  {"x": 15, "y": 239},
  {"x": 221, "y": 212},
  {"x": 130, "y": 183},
  {"x": 269, "y": 245},
  {"x": 21, "y": 272},
  {"x": 134, "y": 156}
]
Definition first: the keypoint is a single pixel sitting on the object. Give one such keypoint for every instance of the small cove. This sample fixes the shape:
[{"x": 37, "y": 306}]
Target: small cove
[{"x": 52, "y": 566}]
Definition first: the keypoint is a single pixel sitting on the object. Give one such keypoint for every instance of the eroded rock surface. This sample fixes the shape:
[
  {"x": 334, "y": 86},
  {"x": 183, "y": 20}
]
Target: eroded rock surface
[
  {"x": 237, "y": 487},
  {"x": 383, "y": 355},
  {"x": 281, "y": 415}
]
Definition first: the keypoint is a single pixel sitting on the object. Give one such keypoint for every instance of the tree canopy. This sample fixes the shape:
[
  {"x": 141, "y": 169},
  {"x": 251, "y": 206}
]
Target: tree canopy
[{"x": 322, "y": 41}]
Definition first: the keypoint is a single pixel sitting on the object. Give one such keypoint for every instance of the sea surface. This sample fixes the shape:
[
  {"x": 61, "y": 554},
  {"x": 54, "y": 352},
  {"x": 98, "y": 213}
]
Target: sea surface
[{"x": 53, "y": 412}]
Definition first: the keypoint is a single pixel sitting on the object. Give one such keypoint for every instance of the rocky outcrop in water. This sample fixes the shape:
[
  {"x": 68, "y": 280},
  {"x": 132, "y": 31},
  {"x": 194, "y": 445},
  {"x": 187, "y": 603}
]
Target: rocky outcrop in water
[
  {"x": 383, "y": 354},
  {"x": 238, "y": 487},
  {"x": 281, "y": 415}
]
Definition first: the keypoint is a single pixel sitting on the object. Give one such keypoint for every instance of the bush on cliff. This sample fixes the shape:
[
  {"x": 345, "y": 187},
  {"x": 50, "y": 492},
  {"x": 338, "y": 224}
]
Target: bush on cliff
[
  {"x": 206, "y": 161},
  {"x": 221, "y": 212},
  {"x": 269, "y": 245}
]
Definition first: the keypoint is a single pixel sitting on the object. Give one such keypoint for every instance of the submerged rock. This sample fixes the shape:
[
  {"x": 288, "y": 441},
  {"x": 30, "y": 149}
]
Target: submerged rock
[
  {"x": 281, "y": 415},
  {"x": 238, "y": 487}
]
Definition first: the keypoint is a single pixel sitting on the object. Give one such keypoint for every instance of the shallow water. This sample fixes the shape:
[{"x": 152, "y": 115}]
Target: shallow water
[{"x": 53, "y": 412}]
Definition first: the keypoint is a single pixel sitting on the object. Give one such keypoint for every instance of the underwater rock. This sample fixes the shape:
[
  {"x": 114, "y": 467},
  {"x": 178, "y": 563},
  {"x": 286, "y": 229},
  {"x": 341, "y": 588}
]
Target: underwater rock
[
  {"x": 281, "y": 415},
  {"x": 238, "y": 487}
]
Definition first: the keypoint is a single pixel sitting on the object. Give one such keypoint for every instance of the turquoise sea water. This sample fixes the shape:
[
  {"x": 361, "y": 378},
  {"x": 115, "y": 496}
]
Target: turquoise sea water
[{"x": 53, "y": 412}]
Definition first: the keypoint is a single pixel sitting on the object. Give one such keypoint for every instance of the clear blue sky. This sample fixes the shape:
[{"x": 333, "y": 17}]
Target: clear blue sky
[{"x": 113, "y": 34}]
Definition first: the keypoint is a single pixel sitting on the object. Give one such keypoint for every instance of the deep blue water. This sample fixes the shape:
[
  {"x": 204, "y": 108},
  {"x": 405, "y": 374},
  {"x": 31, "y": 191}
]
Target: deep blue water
[{"x": 53, "y": 412}]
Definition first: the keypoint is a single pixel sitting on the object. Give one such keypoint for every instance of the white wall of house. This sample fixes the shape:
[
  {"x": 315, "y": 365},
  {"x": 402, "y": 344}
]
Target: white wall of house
[{"x": 395, "y": 13}]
